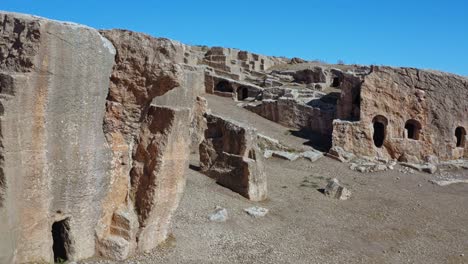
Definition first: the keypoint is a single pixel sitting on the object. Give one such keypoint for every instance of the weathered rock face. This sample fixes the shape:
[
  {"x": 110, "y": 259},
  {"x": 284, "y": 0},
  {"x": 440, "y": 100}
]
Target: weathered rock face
[
  {"x": 407, "y": 114},
  {"x": 314, "y": 116},
  {"x": 149, "y": 111},
  {"x": 94, "y": 141},
  {"x": 54, "y": 161},
  {"x": 230, "y": 155}
]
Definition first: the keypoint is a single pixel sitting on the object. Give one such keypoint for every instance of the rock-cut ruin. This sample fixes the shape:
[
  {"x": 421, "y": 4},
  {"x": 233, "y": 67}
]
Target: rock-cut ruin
[{"x": 96, "y": 129}]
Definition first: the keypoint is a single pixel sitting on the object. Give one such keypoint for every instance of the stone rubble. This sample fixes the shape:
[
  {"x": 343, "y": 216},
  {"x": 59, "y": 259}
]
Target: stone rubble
[
  {"x": 336, "y": 190},
  {"x": 256, "y": 211},
  {"x": 219, "y": 215}
]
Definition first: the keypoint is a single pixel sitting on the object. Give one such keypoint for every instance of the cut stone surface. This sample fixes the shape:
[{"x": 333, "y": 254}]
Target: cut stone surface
[
  {"x": 285, "y": 155},
  {"x": 230, "y": 155},
  {"x": 101, "y": 126},
  {"x": 55, "y": 160},
  {"x": 256, "y": 211},
  {"x": 335, "y": 190},
  {"x": 311, "y": 155}
]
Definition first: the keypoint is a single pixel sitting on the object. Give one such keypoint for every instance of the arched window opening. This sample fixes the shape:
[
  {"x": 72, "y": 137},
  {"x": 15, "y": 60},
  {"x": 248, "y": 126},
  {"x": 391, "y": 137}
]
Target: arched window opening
[
  {"x": 413, "y": 129},
  {"x": 224, "y": 86},
  {"x": 460, "y": 134},
  {"x": 242, "y": 93},
  {"x": 380, "y": 130}
]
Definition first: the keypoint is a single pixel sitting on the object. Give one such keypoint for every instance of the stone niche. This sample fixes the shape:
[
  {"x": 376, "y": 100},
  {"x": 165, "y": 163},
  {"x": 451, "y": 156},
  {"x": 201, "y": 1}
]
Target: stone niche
[
  {"x": 230, "y": 155},
  {"x": 404, "y": 113}
]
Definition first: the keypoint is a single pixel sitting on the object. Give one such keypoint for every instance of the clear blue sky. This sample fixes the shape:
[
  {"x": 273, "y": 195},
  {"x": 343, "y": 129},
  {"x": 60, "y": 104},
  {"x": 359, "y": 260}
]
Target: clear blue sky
[{"x": 418, "y": 33}]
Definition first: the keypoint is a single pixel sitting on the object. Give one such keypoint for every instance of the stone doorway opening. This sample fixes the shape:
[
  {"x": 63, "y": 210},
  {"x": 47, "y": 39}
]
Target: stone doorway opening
[
  {"x": 412, "y": 128},
  {"x": 460, "y": 134},
  {"x": 61, "y": 240},
  {"x": 242, "y": 93},
  {"x": 380, "y": 130},
  {"x": 224, "y": 86},
  {"x": 336, "y": 82}
]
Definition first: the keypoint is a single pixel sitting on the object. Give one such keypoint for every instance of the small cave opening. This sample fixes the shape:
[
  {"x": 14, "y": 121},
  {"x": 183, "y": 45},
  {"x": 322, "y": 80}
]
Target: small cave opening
[
  {"x": 380, "y": 130},
  {"x": 61, "y": 240},
  {"x": 224, "y": 86},
  {"x": 413, "y": 129},
  {"x": 242, "y": 93},
  {"x": 336, "y": 82},
  {"x": 460, "y": 134}
]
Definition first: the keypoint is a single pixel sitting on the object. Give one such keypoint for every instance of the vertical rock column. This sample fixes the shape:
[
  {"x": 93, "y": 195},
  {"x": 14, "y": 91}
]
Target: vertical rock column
[
  {"x": 147, "y": 125},
  {"x": 54, "y": 82}
]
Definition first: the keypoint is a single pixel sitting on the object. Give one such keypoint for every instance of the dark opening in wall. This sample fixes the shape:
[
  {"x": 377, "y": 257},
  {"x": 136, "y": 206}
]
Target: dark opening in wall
[
  {"x": 224, "y": 86},
  {"x": 336, "y": 82},
  {"x": 413, "y": 128},
  {"x": 242, "y": 93},
  {"x": 380, "y": 130},
  {"x": 460, "y": 133},
  {"x": 61, "y": 240}
]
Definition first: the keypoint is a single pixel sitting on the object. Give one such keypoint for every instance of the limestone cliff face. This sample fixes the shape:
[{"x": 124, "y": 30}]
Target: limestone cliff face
[
  {"x": 149, "y": 110},
  {"x": 419, "y": 110},
  {"x": 95, "y": 136},
  {"x": 54, "y": 81}
]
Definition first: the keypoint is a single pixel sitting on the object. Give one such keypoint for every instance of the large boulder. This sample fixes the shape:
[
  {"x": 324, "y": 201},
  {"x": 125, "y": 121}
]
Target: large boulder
[{"x": 230, "y": 155}]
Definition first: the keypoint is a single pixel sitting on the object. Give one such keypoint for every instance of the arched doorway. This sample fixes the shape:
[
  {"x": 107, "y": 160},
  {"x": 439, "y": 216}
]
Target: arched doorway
[
  {"x": 224, "y": 86},
  {"x": 460, "y": 134},
  {"x": 413, "y": 129},
  {"x": 242, "y": 93},
  {"x": 336, "y": 82},
  {"x": 380, "y": 130}
]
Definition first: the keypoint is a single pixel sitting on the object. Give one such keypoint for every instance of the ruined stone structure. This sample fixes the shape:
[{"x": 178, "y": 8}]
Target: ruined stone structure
[
  {"x": 96, "y": 128},
  {"x": 404, "y": 114},
  {"x": 230, "y": 155}
]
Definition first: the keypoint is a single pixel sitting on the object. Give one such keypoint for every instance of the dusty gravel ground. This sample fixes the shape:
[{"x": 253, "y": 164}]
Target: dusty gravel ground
[{"x": 391, "y": 218}]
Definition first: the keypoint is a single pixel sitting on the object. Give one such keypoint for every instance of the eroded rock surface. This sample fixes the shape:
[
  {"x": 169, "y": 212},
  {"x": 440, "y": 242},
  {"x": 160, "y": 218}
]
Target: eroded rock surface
[
  {"x": 149, "y": 111},
  {"x": 407, "y": 113},
  {"x": 230, "y": 155},
  {"x": 95, "y": 139},
  {"x": 55, "y": 160}
]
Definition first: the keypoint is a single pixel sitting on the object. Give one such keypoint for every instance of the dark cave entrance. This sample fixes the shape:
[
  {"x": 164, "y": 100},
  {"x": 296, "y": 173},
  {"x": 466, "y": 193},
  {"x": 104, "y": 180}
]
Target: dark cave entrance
[
  {"x": 224, "y": 86},
  {"x": 460, "y": 134},
  {"x": 413, "y": 128},
  {"x": 380, "y": 127},
  {"x": 336, "y": 82},
  {"x": 242, "y": 93},
  {"x": 61, "y": 240}
]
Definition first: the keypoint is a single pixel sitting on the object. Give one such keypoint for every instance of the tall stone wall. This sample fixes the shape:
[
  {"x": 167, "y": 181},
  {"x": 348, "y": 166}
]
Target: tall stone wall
[
  {"x": 147, "y": 124},
  {"x": 435, "y": 101},
  {"x": 55, "y": 159},
  {"x": 95, "y": 136}
]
